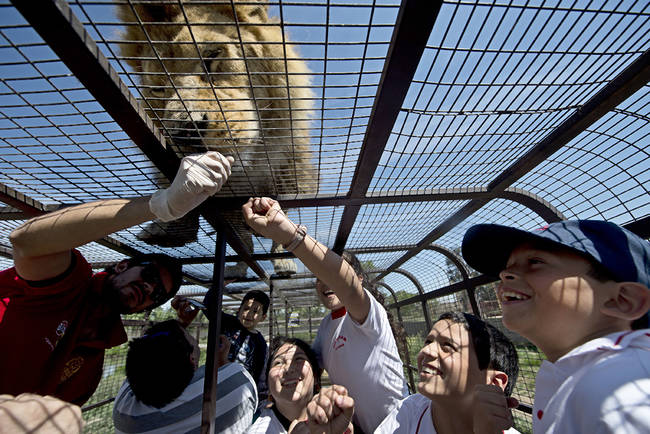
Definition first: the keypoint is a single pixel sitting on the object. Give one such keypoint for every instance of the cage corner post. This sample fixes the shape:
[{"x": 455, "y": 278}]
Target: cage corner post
[{"x": 213, "y": 301}]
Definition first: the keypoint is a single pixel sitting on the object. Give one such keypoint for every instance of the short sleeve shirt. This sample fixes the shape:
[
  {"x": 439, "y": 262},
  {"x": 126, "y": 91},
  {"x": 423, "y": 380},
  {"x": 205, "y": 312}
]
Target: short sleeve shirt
[
  {"x": 602, "y": 386},
  {"x": 44, "y": 333},
  {"x": 364, "y": 359},
  {"x": 235, "y": 405},
  {"x": 413, "y": 416}
]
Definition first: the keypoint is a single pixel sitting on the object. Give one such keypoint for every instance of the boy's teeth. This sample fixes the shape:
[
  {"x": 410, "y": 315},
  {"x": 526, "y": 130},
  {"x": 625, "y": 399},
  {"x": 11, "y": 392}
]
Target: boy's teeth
[{"x": 511, "y": 295}]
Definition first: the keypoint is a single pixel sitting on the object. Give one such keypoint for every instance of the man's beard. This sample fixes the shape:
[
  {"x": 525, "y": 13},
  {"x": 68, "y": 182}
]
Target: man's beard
[{"x": 111, "y": 296}]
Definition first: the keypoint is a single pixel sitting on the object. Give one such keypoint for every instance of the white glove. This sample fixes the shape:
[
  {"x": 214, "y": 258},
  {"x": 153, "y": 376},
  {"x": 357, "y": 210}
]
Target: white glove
[{"x": 199, "y": 177}]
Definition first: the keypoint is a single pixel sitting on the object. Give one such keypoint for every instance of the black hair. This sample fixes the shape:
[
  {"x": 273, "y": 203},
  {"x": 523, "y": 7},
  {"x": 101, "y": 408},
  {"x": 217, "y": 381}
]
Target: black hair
[
  {"x": 398, "y": 331},
  {"x": 598, "y": 272},
  {"x": 278, "y": 341},
  {"x": 259, "y": 296},
  {"x": 158, "y": 364},
  {"x": 493, "y": 348}
]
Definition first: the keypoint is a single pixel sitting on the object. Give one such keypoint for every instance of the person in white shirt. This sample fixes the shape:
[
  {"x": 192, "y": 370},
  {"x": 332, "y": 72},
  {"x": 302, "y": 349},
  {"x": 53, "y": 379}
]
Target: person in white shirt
[
  {"x": 579, "y": 290},
  {"x": 293, "y": 377},
  {"x": 354, "y": 342},
  {"x": 468, "y": 370}
]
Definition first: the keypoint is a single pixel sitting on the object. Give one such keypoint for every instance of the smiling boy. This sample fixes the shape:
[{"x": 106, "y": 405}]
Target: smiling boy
[
  {"x": 247, "y": 345},
  {"x": 579, "y": 291},
  {"x": 467, "y": 370}
]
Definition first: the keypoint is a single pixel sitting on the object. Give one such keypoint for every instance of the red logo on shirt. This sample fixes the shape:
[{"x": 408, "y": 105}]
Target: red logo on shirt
[{"x": 339, "y": 342}]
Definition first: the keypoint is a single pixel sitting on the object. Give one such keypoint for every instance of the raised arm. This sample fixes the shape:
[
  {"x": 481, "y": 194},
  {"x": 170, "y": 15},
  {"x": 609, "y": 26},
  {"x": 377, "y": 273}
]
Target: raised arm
[
  {"x": 42, "y": 245},
  {"x": 265, "y": 216}
]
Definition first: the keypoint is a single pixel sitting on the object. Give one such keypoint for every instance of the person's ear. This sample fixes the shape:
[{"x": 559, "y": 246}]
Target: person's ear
[
  {"x": 121, "y": 266},
  {"x": 263, "y": 318},
  {"x": 629, "y": 301},
  {"x": 498, "y": 378}
]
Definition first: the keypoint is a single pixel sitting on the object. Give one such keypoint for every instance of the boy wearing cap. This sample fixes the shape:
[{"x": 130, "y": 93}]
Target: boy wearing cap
[{"x": 579, "y": 291}]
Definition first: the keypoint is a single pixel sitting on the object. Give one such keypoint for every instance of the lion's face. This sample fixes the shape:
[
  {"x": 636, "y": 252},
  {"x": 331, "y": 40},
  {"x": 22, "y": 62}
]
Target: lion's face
[
  {"x": 190, "y": 70},
  {"x": 227, "y": 83}
]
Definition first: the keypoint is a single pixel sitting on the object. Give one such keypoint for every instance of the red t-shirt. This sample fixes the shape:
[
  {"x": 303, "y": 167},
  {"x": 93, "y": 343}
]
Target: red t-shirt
[{"x": 53, "y": 334}]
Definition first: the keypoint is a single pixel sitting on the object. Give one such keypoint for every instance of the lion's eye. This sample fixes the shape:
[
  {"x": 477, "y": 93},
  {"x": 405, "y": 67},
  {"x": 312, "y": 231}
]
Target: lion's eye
[
  {"x": 211, "y": 54},
  {"x": 211, "y": 58},
  {"x": 158, "y": 91}
]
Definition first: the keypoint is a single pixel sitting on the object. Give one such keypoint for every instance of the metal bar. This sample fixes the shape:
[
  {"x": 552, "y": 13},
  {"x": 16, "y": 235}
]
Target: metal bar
[
  {"x": 460, "y": 215},
  {"x": 65, "y": 34},
  {"x": 446, "y": 290},
  {"x": 544, "y": 209},
  {"x": 213, "y": 301},
  {"x": 406, "y": 355},
  {"x": 630, "y": 80},
  {"x": 413, "y": 26}
]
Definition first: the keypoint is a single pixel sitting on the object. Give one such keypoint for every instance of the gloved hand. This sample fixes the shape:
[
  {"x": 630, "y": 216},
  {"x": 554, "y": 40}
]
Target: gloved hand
[{"x": 199, "y": 177}]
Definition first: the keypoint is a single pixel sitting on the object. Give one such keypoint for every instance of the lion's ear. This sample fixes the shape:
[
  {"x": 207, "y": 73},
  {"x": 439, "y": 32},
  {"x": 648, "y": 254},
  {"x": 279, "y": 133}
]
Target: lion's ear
[
  {"x": 148, "y": 12},
  {"x": 255, "y": 14},
  {"x": 248, "y": 13}
]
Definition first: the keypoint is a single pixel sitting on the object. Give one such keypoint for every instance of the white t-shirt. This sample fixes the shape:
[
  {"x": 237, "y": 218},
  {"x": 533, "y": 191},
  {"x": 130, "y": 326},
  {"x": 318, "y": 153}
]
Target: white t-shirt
[
  {"x": 602, "y": 386},
  {"x": 236, "y": 403},
  {"x": 413, "y": 416},
  {"x": 267, "y": 423},
  {"x": 364, "y": 359}
]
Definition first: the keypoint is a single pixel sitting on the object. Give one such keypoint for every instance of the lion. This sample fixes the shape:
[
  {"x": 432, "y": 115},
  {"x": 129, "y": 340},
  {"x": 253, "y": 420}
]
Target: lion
[{"x": 229, "y": 82}]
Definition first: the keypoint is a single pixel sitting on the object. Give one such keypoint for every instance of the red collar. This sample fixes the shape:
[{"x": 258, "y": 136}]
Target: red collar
[{"x": 338, "y": 313}]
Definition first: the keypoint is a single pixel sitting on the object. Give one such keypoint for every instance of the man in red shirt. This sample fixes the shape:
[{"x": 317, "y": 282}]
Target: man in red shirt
[{"x": 56, "y": 316}]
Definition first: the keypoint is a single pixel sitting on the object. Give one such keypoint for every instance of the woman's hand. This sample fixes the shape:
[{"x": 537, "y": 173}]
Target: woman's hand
[
  {"x": 330, "y": 412},
  {"x": 265, "y": 216}
]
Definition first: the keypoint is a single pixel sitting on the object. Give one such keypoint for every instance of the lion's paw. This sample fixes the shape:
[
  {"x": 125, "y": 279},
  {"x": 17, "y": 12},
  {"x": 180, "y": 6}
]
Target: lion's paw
[
  {"x": 235, "y": 272},
  {"x": 284, "y": 267}
]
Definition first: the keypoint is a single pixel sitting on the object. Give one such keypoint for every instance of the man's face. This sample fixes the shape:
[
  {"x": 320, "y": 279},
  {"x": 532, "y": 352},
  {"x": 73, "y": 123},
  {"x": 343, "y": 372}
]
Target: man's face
[
  {"x": 251, "y": 313},
  {"x": 135, "y": 288},
  {"x": 327, "y": 296},
  {"x": 548, "y": 297},
  {"x": 447, "y": 363}
]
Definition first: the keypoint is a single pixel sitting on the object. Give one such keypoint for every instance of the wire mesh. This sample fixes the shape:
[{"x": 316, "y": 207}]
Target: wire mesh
[{"x": 295, "y": 106}]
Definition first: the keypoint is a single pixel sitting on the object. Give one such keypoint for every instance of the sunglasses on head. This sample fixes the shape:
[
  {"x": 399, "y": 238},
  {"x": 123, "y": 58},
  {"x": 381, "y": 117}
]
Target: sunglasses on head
[{"x": 151, "y": 275}]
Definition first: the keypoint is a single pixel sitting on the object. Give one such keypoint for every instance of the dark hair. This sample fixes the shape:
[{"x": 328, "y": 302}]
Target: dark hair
[
  {"x": 398, "y": 331},
  {"x": 493, "y": 348},
  {"x": 278, "y": 341},
  {"x": 172, "y": 265},
  {"x": 259, "y": 296},
  {"x": 598, "y": 272},
  {"x": 158, "y": 364}
]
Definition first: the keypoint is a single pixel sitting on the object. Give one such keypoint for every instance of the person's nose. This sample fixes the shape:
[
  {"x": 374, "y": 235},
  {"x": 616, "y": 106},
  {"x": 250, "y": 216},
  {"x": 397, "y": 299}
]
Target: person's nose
[
  {"x": 429, "y": 352},
  {"x": 508, "y": 273}
]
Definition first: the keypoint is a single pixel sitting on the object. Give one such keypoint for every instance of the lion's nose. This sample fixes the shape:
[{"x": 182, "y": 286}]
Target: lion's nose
[{"x": 189, "y": 133}]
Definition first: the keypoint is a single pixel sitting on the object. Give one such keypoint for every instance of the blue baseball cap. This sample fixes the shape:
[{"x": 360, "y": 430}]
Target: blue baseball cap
[{"x": 487, "y": 247}]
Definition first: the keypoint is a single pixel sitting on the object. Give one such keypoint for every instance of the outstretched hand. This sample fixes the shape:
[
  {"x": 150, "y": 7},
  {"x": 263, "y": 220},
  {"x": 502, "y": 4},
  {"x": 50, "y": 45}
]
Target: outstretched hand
[
  {"x": 184, "y": 310},
  {"x": 491, "y": 410},
  {"x": 265, "y": 216},
  {"x": 198, "y": 177},
  {"x": 330, "y": 412}
]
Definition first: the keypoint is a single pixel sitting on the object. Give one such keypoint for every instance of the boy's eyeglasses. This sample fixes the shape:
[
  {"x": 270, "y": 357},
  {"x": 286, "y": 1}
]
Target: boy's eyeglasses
[{"x": 151, "y": 275}]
